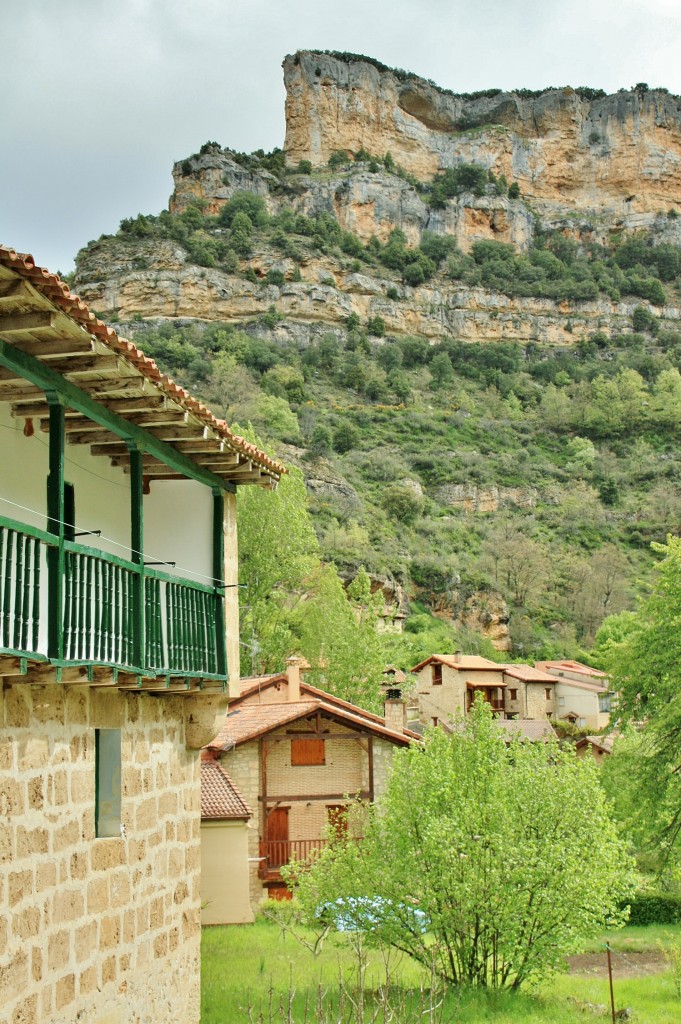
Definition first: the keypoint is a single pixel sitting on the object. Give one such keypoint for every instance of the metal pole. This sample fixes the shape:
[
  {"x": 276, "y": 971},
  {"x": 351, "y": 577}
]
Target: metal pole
[{"x": 612, "y": 995}]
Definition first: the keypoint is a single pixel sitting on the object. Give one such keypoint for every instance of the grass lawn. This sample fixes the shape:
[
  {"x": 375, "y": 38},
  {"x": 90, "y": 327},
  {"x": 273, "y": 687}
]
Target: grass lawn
[{"x": 256, "y": 966}]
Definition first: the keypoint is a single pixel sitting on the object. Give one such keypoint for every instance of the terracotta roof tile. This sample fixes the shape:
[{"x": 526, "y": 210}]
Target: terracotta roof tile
[
  {"x": 58, "y": 292},
  {"x": 572, "y": 666},
  {"x": 528, "y": 674},
  {"x": 465, "y": 662},
  {"x": 220, "y": 798}
]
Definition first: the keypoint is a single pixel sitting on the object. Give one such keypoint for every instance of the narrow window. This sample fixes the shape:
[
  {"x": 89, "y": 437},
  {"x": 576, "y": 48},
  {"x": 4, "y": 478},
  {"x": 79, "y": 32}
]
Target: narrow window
[
  {"x": 513, "y": 694},
  {"x": 547, "y": 692},
  {"x": 437, "y": 674},
  {"x": 435, "y": 721},
  {"x": 307, "y": 751},
  {"x": 107, "y": 783}
]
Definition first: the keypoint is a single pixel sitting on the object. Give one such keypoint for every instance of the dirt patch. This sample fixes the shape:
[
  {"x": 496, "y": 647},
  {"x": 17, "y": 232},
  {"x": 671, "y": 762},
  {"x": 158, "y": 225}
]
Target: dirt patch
[{"x": 632, "y": 964}]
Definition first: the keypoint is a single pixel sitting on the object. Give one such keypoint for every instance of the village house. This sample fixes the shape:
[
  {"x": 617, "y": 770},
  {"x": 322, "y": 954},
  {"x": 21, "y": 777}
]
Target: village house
[
  {"x": 598, "y": 747},
  {"x": 299, "y": 757},
  {"x": 118, "y": 650},
  {"x": 447, "y": 685},
  {"x": 583, "y": 696}
]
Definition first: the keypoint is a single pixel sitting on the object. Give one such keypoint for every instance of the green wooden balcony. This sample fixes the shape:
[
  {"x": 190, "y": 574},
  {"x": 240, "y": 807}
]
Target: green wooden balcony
[{"x": 110, "y": 611}]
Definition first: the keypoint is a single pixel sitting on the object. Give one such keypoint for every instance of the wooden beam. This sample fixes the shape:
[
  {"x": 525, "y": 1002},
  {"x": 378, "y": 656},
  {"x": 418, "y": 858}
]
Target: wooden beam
[
  {"x": 11, "y": 666},
  {"x": 189, "y": 447},
  {"x": 41, "y": 375},
  {"x": 39, "y": 410},
  {"x": 11, "y": 290},
  {"x": 19, "y": 322},
  {"x": 56, "y": 346}
]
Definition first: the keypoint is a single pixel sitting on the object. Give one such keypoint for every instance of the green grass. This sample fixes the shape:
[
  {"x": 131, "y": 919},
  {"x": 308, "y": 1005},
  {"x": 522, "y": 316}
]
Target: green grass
[{"x": 253, "y": 965}]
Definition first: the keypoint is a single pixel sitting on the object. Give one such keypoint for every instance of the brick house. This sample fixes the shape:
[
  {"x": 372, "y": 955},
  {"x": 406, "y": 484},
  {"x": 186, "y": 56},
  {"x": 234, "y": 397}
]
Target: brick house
[
  {"x": 447, "y": 685},
  {"x": 118, "y": 648},
  {"x": 300, "y": 756}
]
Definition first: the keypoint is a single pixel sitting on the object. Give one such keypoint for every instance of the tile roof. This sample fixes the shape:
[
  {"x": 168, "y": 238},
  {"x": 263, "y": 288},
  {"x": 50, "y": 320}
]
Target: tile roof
[
  {"x": 528, "y": 674},
  {"x": 604, "y": 743},
  {"x": 527, "y": 729},
  {"x": 246, "y": 722},
  {"x": 393, "y": 675},
  {"x": 465, "y": 662},
  {"x": 57, "y": 292},
  {"x": 220, "y": 798},
  {"x": 571, "y": 666}
]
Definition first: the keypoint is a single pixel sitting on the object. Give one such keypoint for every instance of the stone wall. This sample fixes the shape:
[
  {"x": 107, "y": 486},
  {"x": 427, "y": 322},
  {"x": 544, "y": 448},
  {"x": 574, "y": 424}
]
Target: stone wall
[
  {"x": 538, "y": 706},
  {"x": 99, "y": 930}
]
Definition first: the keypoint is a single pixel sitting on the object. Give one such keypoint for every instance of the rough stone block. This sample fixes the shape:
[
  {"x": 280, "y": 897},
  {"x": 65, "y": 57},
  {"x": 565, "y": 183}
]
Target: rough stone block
[
  {"x": 160, "y": 945},
  {"x": 32, "y": 841},
  {"x": 65, "y": 991},
  {"x": 13, "y": 977},
  {"x": 67, "y": 836},
  {"x": 120, "y": 889},
  {"x": 87, "y": 982},
  {"x": 85, "y": 940},
  {"x": 12, "y": 797},
  {"x": 27, "y": 1011},
  {"x": 20, "y": 885},
  {"x": 59, "y": 949},
  {"x": 17, "y": 707},
  {"x": 98, "y": 896},
  {"x": 26, "y": 923},
  {"x": 68, "y": 905},
  {"x": 107, "y": 854},
  {"x": 45, "y": 875},
  {"x": 109, "y": 970},
  {"x": 48, "y": 704},
  {"x": 109, "y": 931},
  {"x": 33, "y": 753}
]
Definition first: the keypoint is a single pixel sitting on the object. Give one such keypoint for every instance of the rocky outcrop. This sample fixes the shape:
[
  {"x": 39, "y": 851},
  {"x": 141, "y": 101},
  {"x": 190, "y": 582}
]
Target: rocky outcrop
[
  {"x": 469, "y": 498},
  {"x": 154, "y": 279},
  {"x": 486, "y": 612},
  {"x": 619, "y": 153}
]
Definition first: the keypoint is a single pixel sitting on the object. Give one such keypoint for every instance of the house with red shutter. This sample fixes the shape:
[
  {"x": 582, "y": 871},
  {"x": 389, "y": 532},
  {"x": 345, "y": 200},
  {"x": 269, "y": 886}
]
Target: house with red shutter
[{"x": 301, "y": 758}]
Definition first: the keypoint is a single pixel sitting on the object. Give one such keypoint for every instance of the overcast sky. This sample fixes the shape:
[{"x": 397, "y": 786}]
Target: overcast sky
[{"x": 99, "y": 97}]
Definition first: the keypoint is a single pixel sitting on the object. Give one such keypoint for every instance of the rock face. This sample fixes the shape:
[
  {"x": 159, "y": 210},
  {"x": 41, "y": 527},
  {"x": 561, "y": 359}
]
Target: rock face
[
  {"x": 619, "y": 153},
  {"x": 154, "y": 279},
  {"x": 486, "y": 612},
  {"x": 469, "y": 498}
]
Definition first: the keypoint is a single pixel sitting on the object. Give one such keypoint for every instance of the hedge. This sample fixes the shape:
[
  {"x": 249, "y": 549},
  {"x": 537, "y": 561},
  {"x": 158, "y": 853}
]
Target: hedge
[{"x": 655, "y": 908}]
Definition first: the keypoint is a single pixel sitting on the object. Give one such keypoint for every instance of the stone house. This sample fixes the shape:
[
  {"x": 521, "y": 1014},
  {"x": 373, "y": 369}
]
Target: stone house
[
  {"x": 583, "y": 695},
  {"x": 598, "y": 747},
  {"x": 118, "y": 650},
  {"x": 447, "y": 685},
  {"x": 301, "y": 756}
]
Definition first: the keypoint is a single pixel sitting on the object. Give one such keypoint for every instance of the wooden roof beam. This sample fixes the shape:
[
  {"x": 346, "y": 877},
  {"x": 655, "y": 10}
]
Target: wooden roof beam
[
  {"x": 17, "y": 323},
  {"x": 40, "y": 410}
]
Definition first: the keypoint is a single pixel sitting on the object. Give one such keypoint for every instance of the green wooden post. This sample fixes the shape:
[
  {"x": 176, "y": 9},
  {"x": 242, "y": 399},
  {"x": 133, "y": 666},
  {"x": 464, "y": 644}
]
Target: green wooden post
[
  {"x": 55, "y": 526},
  {"x": 218, "y": 580},
  {"x": 138, "y": 597}
]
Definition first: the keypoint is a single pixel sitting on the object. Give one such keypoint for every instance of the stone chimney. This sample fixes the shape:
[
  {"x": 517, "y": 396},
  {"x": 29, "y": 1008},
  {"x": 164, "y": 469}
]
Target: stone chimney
[
  {"x": 457, "y": 657},
  {"x": 395, "y": 711},
  {"x": 293, "y": 667}
]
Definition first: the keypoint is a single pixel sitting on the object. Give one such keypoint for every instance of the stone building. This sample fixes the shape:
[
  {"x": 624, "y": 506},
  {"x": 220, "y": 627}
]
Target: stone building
[
  {"x": 447, "y": 685},
  {"x": 300, "y": 756},
  {"x": 118, "y": 649}
]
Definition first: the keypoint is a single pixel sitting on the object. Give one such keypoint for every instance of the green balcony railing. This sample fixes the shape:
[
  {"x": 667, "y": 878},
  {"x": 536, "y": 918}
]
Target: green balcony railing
[{"x": 115, "y": 612}]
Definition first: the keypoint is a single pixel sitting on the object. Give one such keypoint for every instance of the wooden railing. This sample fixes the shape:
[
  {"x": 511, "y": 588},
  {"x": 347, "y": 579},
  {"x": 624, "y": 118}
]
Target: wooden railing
[
  {"x": 275, "y": 853},
  {"x": 21, "y": 562},
  {"x": 114, "y": 611}
]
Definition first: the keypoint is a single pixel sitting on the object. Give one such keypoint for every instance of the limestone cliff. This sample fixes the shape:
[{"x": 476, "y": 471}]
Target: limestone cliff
[
  {"x": 618, "y": 154},
  {"x": 155, "y": 279}
]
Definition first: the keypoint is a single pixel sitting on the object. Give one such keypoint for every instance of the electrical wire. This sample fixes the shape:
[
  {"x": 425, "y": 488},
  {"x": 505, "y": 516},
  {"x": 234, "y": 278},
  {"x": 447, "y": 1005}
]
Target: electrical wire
[{"x": 181, "y": 569}]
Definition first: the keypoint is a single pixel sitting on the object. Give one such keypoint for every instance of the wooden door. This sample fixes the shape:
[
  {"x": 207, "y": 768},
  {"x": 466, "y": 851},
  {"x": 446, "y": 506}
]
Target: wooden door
[{"x": 277, "y": 837}]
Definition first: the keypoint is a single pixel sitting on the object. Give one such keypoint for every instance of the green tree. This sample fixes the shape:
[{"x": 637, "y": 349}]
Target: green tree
[
  {"x": 241, "y": 232},
  {"x": 508, "y": 851},
  {"x": 645, "y": 667},
  {"x": 272, "y": 573},
  {"x": 441, "y": 370},
  {"x": 338, "y": 637},
  {"x": 345, "y": 437},
  {"x": 402, "y": 503}
]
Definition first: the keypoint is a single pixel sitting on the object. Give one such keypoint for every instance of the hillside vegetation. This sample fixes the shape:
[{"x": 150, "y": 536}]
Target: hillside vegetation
[{"x": 486, "y": 481}]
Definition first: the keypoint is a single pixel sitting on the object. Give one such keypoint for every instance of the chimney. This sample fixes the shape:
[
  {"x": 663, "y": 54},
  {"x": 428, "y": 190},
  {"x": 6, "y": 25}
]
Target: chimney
[
  {"x": 457, "y": 657},
  {"x": 293, "y": 666},
  {"x": 395, "y": 711}
]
